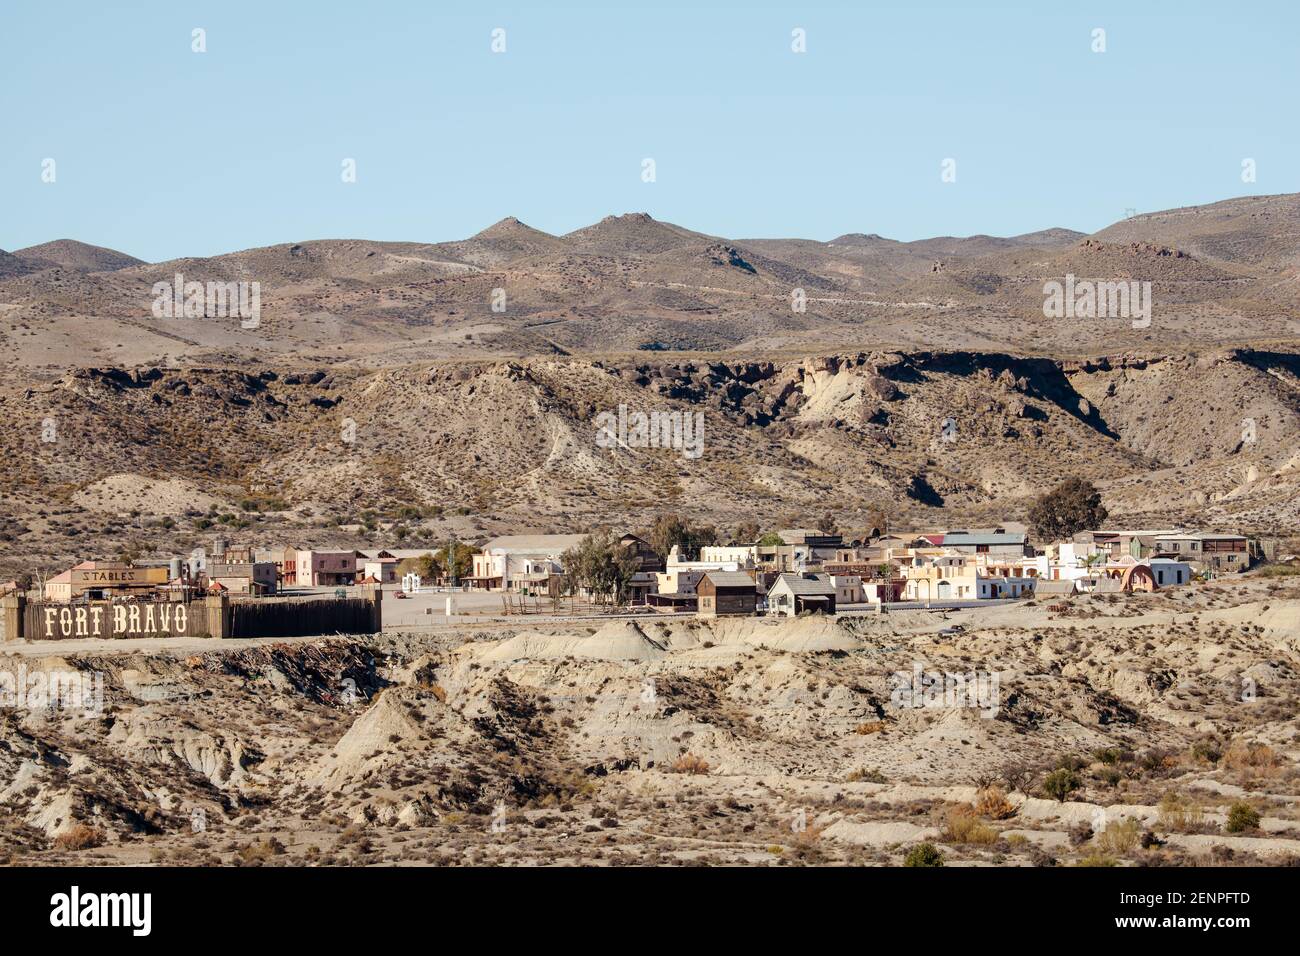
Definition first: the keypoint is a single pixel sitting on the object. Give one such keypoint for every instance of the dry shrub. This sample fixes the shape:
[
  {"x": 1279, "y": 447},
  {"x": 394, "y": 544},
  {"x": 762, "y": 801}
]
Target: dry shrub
[
  {"x": 80, "y": 837},
  {"x": 992, "y": 802},
  {"x": 262, "y": 851},
  {"x": 866, "y": 775},
  {"x": 1177, "y": 812},
  {"x": 254, "y": 853},
  {"x": 1247, "y": 755},
  {"x": 1120, "y": 836},
  {"x": 964, "y": 826},
  {"x": 870, "y": 727},
  {"x": 1096, "y": 859},
  {"x": 689, "y": 763}
]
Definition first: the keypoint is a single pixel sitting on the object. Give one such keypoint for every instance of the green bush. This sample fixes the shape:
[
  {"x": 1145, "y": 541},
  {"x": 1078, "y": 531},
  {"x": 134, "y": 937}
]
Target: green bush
[
  {"x": 923, "y": 854},
  {"x": 1108, "y": 755},
  {"x": 1242, "y": 816},
  {"x": 1207, "y": 750},
  {"x": 1059, "y": 784},
  {"x": 1110, "y": 776}
]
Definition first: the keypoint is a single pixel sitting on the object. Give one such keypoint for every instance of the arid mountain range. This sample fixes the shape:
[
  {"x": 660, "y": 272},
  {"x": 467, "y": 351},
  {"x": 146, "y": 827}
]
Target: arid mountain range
[
  {"x": 472, "y": 421},
  {"x": 1225, "y": 273}
]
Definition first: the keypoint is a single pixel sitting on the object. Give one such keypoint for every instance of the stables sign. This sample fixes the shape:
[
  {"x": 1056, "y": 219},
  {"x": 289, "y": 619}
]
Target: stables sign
[
  {"x": 54, "y": 622},
  {"x": 109, "y": 577}
]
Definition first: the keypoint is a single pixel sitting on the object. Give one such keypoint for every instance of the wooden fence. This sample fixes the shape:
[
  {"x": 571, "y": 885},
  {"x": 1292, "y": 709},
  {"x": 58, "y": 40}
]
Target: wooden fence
[
  {"x": 210, "y": 616},
  {"x": 268, "y": 617}
]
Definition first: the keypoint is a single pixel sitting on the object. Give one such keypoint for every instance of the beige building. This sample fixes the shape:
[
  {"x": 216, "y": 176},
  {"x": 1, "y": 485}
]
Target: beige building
[
  {"x": 519, "y": 561},
  {"x": 848, "y": 588},
  {"x": 96, "y": 580},
  {"x": 254, "y": 578}
]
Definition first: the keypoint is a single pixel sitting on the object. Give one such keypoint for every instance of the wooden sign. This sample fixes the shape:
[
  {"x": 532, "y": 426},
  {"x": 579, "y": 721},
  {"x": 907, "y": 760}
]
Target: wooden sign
[
  {"x": 118, "y": 577},
  {"x": 105, "y": 619}
]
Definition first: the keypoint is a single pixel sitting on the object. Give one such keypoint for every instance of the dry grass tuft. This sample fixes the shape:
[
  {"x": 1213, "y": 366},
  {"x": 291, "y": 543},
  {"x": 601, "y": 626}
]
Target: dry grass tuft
[
  {"x": 1177, "y": 812},
  {"x": 80, "y": 837},
  {"x": 870, "y": 727},
  {"x": 964, "y": 826},
  {"x": 991, "y": 802},
  {"x": 1120, "y": 836},
  {"x": 1248, "y": 755},
  {"x": 689, "y": 763}
]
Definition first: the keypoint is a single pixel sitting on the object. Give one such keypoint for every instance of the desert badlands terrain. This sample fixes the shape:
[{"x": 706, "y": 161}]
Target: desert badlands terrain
[
  {"x": 685, "y": 742},
  {"x": 410, "y": 393}
]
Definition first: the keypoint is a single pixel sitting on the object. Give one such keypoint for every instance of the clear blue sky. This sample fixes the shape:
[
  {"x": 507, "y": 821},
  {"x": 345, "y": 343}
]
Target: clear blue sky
[{"x": 162, "y": 152}]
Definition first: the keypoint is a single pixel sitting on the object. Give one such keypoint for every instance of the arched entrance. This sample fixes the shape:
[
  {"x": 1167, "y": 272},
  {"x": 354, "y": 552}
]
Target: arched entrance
[{"x": 1138, "y": 578}]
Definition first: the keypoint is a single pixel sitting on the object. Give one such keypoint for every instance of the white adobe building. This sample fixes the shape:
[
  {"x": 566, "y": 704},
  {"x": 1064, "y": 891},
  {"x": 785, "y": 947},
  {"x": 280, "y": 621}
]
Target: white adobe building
[{"x": 518, "y": 560}]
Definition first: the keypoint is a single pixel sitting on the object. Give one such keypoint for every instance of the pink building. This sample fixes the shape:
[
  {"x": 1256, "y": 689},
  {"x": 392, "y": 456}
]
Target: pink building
[{"x": 325, "y": 568}]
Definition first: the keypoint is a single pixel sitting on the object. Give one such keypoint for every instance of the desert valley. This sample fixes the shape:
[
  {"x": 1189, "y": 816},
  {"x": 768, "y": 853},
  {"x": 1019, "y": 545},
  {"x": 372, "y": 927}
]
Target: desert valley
[{"x": 384, "y": 400}]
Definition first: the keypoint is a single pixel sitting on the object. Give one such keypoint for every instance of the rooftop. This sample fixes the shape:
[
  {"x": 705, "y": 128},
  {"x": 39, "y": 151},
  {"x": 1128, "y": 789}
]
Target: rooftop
[
  {"x": 953, "y": 538},
  {"x": 533, "y": 542},
  {"x": 799, "y": 584},
  {"x": 731, "y": 579}
]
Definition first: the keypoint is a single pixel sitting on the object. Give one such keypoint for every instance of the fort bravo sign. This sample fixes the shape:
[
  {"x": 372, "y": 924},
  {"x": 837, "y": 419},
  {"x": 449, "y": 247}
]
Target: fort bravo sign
[
  {"x": 213, "y": 615},
  {"x": 53, "y": 622}
]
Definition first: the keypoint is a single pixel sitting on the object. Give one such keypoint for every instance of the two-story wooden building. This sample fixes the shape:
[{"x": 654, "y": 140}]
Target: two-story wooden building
[{"x": 726, "y": 592}]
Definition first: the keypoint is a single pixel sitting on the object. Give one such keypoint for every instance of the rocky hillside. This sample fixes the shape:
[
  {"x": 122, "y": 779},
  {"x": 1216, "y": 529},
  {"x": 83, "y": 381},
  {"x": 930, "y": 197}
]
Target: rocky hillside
[
  {"x": 94, "y": 457},
  {"x": 76, "y": 256}
]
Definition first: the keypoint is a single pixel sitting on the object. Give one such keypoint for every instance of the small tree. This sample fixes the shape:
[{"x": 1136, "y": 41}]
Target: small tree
[
  {"x": 426, "y": 566},
  {"x": 461, "y": 564},
  {"x": 601, "y": 566},
  {"x": 670, "y": 530},
  {"x": 1072, "y": 506},
  {"x": 1019, "y": 776},
  {"x": 747, "y": 532},
  {"x": 826, "y": 524},
  {"x": 1059, "y": 784},
  {"x": 771, "y": 540}
]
